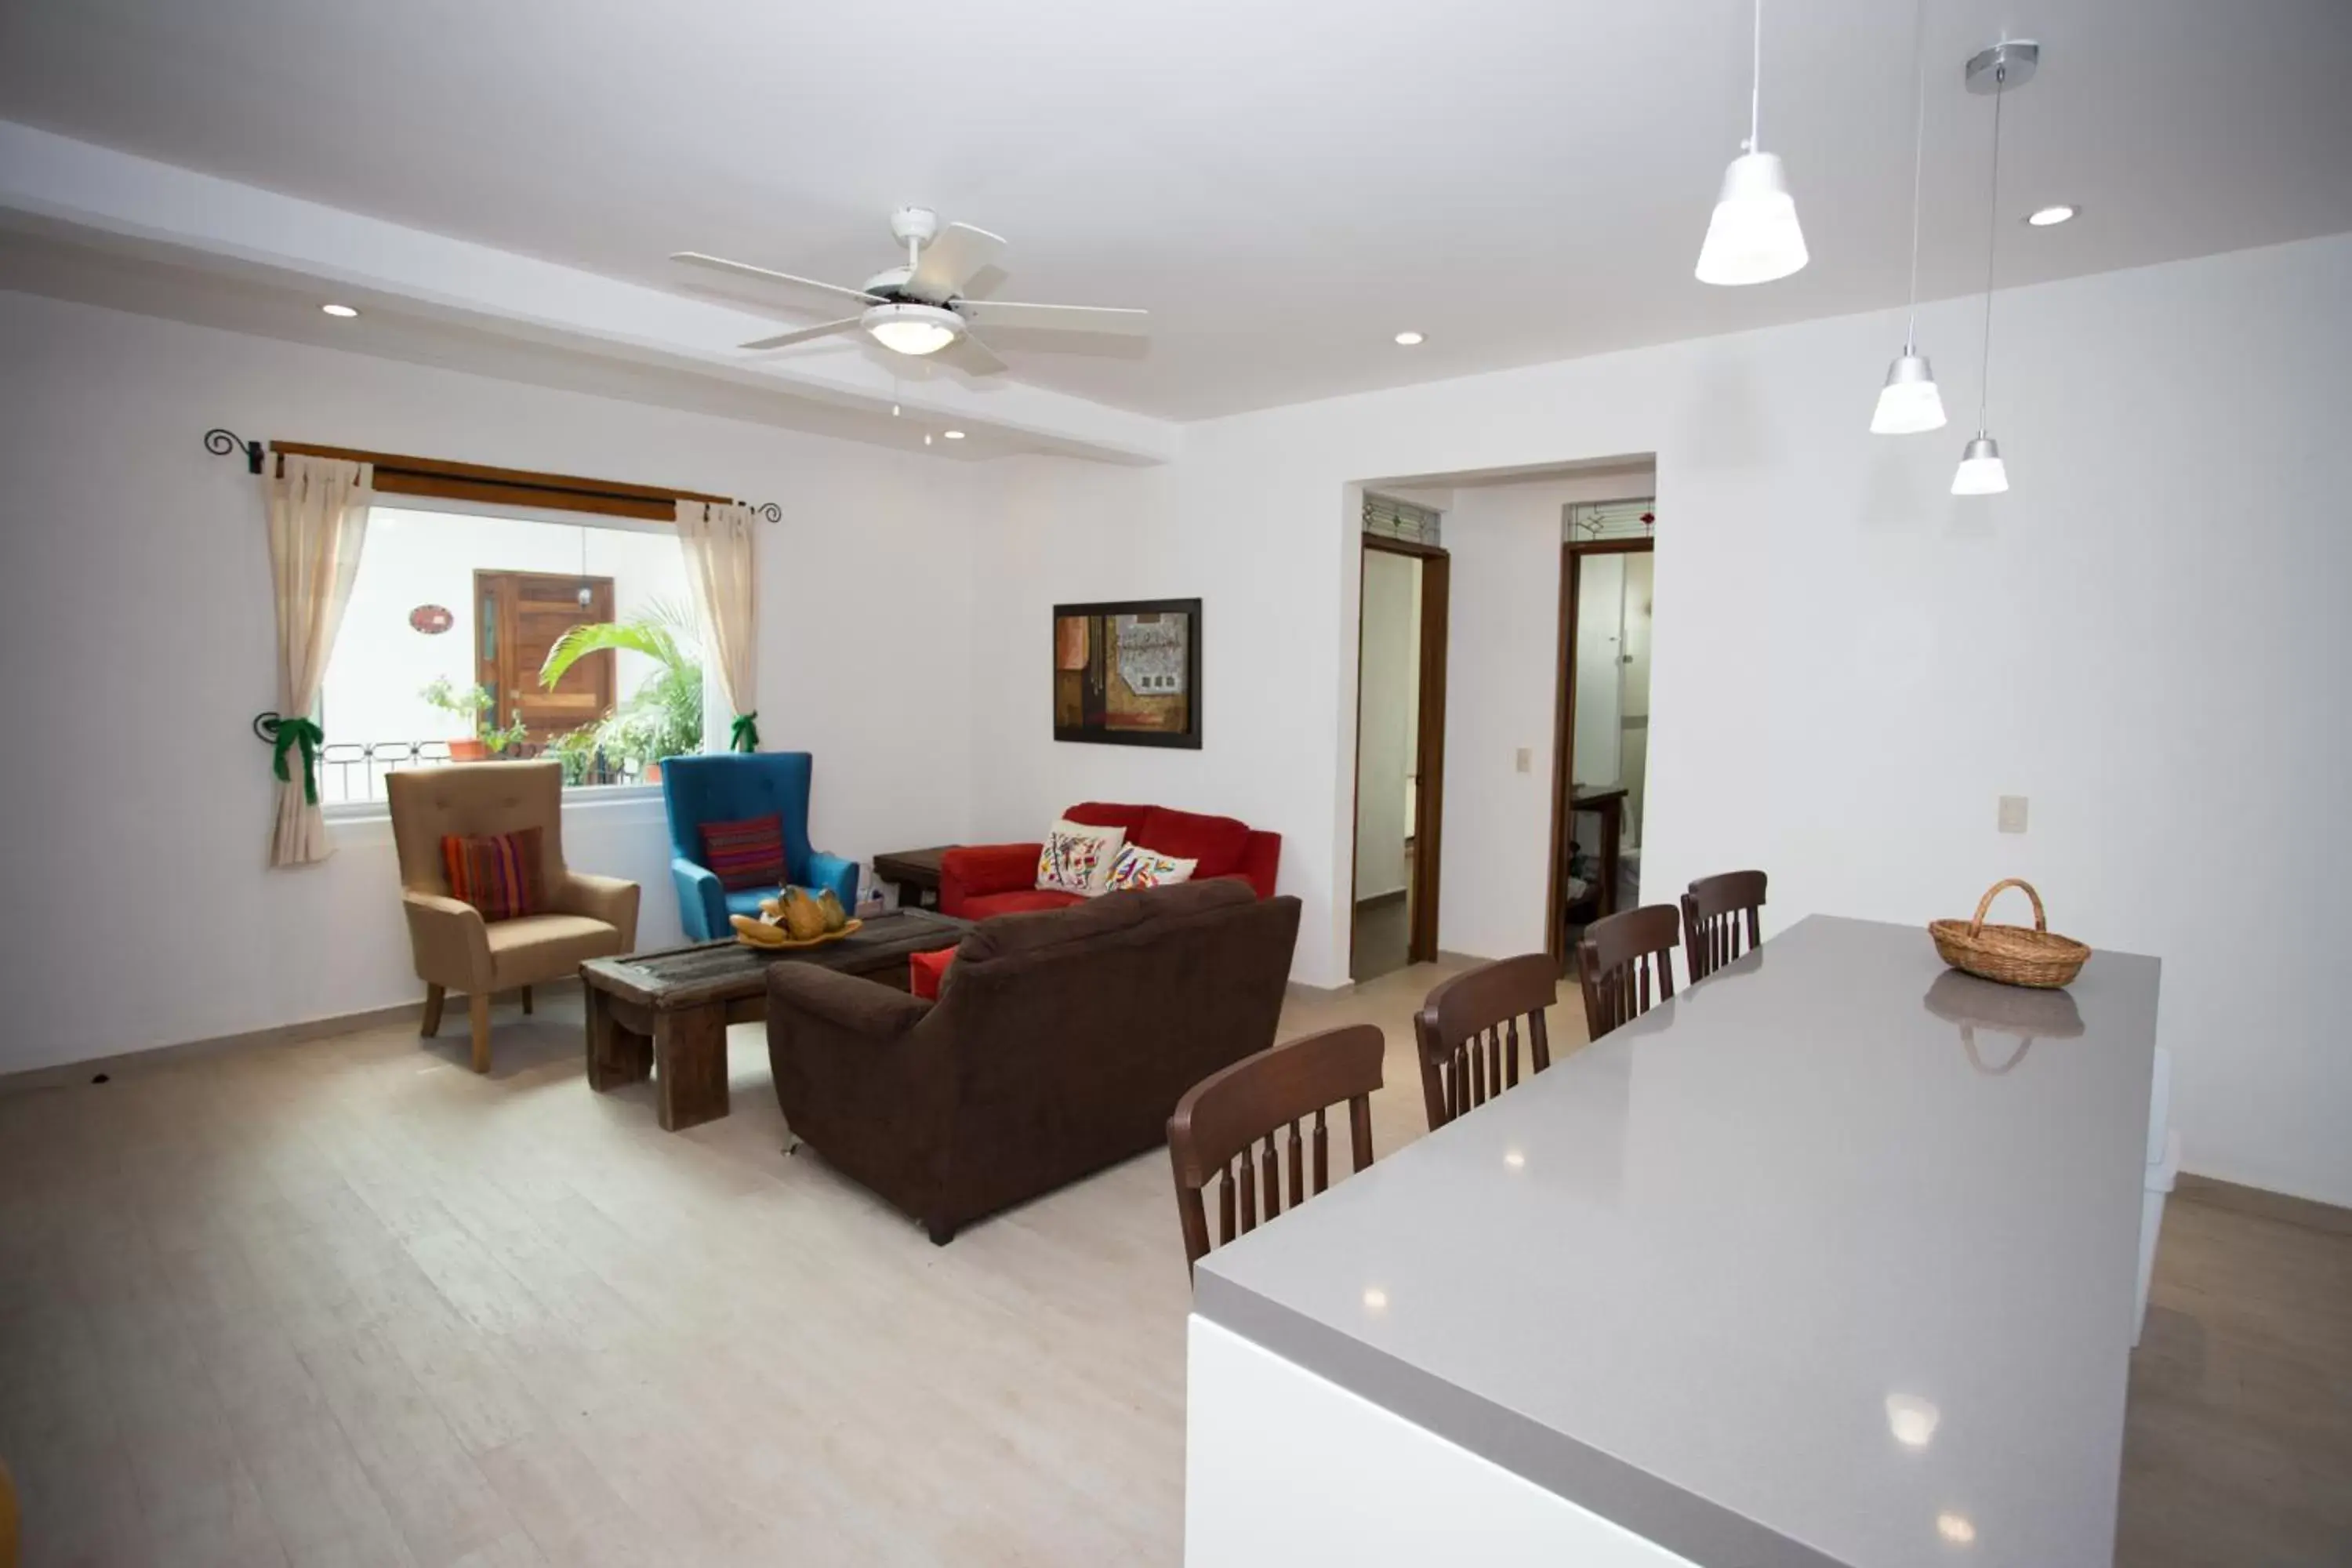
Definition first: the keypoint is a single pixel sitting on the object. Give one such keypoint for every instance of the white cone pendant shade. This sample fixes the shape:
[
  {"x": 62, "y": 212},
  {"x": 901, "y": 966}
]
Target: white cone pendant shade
[
  {"x": 1754, "y": 236},
  {"x": 1981, "y": 472},
  {"x": 1909, "y": 401}
]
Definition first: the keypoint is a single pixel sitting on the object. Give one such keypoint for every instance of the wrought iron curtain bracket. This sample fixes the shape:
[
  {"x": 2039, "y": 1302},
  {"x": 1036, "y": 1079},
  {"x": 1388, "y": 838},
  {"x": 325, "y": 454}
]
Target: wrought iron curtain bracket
[{"x": 221, "y": 443}]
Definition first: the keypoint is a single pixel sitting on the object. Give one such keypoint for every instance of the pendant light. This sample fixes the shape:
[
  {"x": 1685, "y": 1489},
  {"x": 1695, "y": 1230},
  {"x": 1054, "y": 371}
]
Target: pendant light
[
  {"x": 1909, "y": 401},
  {"x": 1754, "y": 236},
  {"x": 1994, "y": 70}
]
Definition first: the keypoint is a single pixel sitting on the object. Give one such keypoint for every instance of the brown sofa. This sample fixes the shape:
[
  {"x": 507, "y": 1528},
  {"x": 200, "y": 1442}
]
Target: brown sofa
[{"x": 1060, "y": 1044}]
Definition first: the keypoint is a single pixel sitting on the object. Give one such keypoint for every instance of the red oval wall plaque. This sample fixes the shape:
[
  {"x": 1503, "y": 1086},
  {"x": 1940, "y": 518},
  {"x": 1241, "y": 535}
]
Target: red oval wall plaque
[{"x": 431, "y": 619}]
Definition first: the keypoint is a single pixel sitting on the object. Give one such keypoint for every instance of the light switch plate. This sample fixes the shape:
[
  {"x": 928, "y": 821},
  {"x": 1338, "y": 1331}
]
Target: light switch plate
[
  {"x": 1525, "y": 760},
  {"x": 2012, "y": 814}
]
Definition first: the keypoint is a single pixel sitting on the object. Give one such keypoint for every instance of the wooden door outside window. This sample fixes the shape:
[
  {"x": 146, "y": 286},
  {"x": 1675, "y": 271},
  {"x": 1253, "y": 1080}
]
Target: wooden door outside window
[{"x": 517, "y": 616}]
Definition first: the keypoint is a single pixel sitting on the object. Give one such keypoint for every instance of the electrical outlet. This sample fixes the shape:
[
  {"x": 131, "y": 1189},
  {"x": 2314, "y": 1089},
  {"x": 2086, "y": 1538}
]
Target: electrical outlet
[
  {"x": 2012, "y": 814},
  {"x": 1525, "y": 760}
]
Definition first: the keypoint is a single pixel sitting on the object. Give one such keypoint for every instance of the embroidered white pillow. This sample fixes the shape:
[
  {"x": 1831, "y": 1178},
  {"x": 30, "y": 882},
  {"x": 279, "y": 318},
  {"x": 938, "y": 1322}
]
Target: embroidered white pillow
[
  {"x": 1076, "y": 859},
  {"x": 1140, "y": 867}
]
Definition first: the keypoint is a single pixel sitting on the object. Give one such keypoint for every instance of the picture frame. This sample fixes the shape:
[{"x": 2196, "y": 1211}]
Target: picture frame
[{"x": 1127, "y": 672}]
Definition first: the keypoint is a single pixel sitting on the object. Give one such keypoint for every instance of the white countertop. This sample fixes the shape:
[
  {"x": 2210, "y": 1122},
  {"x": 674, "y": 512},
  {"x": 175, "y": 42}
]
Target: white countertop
[{"x": 1706, "y": 1276}]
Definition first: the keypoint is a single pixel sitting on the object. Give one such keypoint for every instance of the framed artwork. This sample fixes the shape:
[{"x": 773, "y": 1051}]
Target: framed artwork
[{"x": 1129, "y": 674}]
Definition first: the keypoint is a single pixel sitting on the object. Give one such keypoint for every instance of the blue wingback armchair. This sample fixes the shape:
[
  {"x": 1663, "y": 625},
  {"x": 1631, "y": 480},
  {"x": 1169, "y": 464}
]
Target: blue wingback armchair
[{"x": 731, "y": 787}]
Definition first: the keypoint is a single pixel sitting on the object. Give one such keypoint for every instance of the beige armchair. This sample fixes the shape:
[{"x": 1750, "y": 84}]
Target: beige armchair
[{"x": 456, "y": 949}]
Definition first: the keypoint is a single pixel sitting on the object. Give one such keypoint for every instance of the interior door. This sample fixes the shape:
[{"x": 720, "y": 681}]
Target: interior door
[{"x": 517, "y": 616}]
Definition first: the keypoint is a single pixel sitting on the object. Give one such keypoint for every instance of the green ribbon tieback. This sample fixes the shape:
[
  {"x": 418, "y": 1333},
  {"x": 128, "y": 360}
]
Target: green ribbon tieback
[
  {"x": 746, "y": 733},
  {"x": 285, "y": 734}
]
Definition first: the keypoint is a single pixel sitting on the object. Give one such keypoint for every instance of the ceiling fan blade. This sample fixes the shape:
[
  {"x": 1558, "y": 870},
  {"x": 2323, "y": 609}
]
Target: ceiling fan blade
[
  {"x": 972, "y": 356},
  {"x": 1063, "y": 317},
  {"x": 745, "y": 269},
  {"x": 784, "y": 340},
  {"x": 947, "y": 262}
]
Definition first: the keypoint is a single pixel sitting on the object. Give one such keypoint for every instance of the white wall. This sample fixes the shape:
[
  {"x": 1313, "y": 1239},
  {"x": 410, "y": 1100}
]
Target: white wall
[
  {"x": 1633, "y": 742},
  {"x": 135, "y": 627},
  {"x": 1502, "y": 694},
  {"x": 1850, "y": 664},
  {"x": 1391, "y": 693}
]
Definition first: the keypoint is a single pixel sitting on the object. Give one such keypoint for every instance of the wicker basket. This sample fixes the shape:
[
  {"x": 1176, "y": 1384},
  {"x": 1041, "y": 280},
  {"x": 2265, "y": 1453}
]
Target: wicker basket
[{"x": 2011, "y": 955}]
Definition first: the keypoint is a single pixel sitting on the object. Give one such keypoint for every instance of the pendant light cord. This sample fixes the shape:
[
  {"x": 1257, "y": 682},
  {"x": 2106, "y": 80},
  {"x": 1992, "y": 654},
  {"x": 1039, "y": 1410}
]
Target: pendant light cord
[
  {"x": 1992, "y": 236},
  {"x": 1918, "y": 157},
  {"x": 1756, "y": 86}
]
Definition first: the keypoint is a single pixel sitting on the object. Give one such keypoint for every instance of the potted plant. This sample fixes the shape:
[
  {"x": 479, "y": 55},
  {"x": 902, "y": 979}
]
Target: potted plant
[
  {"x": 469, "y": 705},
  {"x": 501, "y": 741},
  {"x": 663, "y": 717}
]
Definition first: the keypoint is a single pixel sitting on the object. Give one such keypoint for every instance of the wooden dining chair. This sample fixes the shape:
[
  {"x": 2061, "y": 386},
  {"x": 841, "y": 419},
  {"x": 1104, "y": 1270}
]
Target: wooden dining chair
[
  {"x": 1627, "y": 961},
  {"x": 1468, "y": 1032},
  {"x": 1225, "y": 1127},
  {"x": 1717, "y": 912}
]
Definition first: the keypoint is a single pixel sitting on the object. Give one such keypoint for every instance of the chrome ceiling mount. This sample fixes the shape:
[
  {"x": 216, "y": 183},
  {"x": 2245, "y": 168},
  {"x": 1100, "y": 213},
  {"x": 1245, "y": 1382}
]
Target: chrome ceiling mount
[{"x": 2002, "y": 67}]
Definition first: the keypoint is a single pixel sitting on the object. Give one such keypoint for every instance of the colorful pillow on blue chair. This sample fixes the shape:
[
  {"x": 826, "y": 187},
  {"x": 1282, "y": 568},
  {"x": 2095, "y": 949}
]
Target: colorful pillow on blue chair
[{"x": 747, "y": 853}]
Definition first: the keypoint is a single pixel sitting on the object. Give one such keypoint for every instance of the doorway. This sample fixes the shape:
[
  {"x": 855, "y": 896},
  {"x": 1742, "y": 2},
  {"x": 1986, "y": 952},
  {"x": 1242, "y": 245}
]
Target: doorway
[
  {"x": 517, "y": 616},
  {"x": 1601, "y": 762},
  {"x": 1400, "y": 755}
]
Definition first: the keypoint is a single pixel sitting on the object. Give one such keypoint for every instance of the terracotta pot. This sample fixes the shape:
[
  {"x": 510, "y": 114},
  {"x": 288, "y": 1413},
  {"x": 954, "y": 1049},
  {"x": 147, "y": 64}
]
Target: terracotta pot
[{"x": 472, "y": 751}]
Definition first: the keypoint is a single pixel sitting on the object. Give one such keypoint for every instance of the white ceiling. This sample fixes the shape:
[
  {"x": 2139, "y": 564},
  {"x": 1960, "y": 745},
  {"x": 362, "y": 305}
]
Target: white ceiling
[{"x": 1285, "y": 185}]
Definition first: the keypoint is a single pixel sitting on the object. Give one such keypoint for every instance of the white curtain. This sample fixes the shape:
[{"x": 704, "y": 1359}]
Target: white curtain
[
  {"x": 317, "y": 520},
  {"x": 721, "y": 563}
]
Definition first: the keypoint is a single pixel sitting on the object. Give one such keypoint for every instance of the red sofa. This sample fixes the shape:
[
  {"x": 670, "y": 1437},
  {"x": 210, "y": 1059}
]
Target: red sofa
[{"x": 977, "y": 880}]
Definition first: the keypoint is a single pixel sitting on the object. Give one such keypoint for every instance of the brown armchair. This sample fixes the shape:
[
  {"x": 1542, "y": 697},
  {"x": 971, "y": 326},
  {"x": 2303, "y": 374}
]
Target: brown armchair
[{"x": 456, "y": 950}]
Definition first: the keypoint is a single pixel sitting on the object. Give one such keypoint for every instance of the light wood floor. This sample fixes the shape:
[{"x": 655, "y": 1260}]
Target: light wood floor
[{"x": 344, "y": 1302}]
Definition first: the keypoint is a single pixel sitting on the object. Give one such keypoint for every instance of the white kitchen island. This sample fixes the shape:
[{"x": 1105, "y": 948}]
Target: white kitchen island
[{"x": 1811, "y": 1268}]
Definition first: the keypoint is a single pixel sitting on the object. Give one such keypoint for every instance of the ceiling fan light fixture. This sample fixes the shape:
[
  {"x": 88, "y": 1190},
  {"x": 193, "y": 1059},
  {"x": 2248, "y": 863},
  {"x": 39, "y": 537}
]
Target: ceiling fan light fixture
[
  {"x": 1909, "y": 401},
  {"x": 912, "y": 328},
  {"x": 1754, "y": 236}
]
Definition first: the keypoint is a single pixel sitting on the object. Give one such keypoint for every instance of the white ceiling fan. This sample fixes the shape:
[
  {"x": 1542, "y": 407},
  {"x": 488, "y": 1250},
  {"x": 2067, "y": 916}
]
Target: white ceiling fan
[{"x": 919, "y": 309}]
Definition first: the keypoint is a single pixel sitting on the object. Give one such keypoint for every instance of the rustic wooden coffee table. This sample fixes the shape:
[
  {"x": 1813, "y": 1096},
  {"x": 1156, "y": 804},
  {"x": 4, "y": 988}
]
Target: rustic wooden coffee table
[{"x": 669, "y": 1010}]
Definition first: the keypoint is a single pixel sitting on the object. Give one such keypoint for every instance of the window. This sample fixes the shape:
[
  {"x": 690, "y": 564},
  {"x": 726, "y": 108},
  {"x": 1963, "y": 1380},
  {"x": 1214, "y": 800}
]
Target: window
[
  {"x": 456, "y": 618},
  {"x": 1393, "y": 519}
]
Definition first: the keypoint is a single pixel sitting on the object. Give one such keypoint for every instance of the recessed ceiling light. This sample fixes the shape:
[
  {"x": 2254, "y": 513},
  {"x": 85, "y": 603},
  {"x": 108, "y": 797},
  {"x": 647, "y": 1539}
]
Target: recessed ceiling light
[
  {"x": 2049, "y": 217},
  {"x": 1955, "y": 1528},
  {"x": 1408, "y": 339},
  {"x": 1912, "y": 1419},
  {"x": 1375, "y": 1299},
  {"x": 342, "y": 312},
  {"x": 954, "y": 435}
]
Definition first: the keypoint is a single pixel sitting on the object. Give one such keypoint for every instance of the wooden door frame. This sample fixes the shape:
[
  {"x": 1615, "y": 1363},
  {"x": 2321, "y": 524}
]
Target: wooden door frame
[
  {"x": 1563, "y": 744},
  {"x": 503, "y": 695},
  {"x": 1429, "y": 750}
]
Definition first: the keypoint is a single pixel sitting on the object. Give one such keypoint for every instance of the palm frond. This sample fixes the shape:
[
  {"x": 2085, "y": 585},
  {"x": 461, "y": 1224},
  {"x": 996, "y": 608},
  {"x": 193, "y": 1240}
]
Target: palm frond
[{"x": 662, "y": 631}]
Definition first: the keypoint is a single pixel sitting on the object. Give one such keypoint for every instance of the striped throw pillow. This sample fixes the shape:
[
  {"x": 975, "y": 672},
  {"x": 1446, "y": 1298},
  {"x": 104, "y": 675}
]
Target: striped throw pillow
[
  {"x": 747, "y": 853},
  {"x": 498, "y": 873}
]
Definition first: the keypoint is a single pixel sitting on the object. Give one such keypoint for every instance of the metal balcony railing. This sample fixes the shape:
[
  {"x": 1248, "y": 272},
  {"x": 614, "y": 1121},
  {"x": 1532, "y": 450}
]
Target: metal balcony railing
[{"x": 352, "y": 771}]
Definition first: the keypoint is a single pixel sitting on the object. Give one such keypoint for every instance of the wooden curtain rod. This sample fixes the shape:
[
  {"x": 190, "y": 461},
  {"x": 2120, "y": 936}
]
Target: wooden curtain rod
[{"x": 397, "y": 475}]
